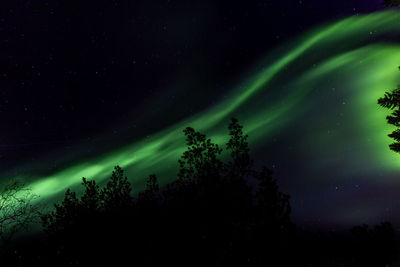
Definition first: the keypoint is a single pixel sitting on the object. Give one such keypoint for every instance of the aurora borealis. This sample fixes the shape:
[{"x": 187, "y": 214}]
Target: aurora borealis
[{"x": 310, "y": 109}]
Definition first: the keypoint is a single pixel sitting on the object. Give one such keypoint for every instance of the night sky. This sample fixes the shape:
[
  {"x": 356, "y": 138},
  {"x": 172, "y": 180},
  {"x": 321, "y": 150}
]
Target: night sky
[{"x": 86, "y": 85}]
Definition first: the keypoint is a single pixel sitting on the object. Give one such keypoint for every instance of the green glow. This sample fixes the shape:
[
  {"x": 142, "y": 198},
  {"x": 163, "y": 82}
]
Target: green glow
[
  {"x": 363, "y": 75},
  {"x": 276, "y": 98}
]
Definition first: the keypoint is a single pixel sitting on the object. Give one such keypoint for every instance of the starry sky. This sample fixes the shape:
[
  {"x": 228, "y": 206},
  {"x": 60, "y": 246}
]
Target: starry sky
[{"x": 86, "y": 85}]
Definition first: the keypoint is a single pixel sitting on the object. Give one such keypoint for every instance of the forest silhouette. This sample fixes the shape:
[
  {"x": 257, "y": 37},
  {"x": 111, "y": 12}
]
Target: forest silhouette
[{"x": 215, "y": 213}]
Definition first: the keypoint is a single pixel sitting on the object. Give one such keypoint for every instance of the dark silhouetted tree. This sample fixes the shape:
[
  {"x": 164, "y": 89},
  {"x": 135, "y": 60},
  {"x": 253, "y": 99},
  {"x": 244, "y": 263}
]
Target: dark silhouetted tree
[
  {"x": 17, "y": 211},
  {"x": 117, "y": 193},
  {"x": 239, "y": 148},
  {"x": 151, "y": 192},
  {"x": 72, "y": 209},
  {"x": 214, "y": 214},
  {"x": 87, "y": 228},
  {"x": 201, "y": 158},
  {"x": 391, "y": 100}
]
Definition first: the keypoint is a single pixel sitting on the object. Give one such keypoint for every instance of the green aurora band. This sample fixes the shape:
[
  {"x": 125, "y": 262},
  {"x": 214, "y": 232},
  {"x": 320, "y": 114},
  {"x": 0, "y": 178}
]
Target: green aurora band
[{"x": 337, "y": 71}]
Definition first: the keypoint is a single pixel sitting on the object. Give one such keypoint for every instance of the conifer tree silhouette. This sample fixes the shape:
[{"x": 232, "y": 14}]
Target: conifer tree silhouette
[{"x": 391, "y": 101}]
